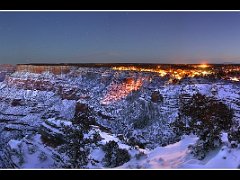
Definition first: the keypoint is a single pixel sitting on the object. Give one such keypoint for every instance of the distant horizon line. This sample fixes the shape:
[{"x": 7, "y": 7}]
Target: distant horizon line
[{"x": 122, "y": 63}]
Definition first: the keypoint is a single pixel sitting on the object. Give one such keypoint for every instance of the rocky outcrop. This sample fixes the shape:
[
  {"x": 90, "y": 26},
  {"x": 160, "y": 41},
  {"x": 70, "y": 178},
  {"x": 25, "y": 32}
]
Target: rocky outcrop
[
  {"x": 30, "y": 84},
  {"x": 6, "y": 69},
  {"x": 51, "y": 135}
]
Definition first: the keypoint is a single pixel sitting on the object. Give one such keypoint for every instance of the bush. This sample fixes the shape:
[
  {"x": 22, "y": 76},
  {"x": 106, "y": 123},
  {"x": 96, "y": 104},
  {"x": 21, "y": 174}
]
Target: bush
[
  {"x": 32, "y": 149},
  {"x": 206, "y": 118},
  {"x": 114, "y": 155}
]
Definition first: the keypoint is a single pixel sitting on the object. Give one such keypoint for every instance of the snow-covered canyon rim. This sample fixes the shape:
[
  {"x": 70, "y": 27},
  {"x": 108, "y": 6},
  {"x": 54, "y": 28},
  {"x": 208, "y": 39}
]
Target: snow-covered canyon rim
[{"x": 122, "y": 114}]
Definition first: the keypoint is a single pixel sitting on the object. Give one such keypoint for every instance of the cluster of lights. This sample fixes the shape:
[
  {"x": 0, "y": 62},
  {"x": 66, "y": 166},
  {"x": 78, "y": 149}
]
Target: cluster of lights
[
  {"x": 203, "y": 66},
  {"x": 118, "y": 91},
  {"x": 231, "y": 69},
  {"x": 133, "y": 68},
  {"x": 174, "y": 74}
]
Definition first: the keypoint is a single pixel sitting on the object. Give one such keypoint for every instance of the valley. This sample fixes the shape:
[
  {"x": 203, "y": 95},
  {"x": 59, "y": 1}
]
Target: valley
[{"x": 45, "y": 108}]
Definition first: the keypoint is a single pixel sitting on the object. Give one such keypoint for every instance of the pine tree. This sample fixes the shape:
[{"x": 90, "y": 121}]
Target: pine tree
[{"x": 76, "y": 146}]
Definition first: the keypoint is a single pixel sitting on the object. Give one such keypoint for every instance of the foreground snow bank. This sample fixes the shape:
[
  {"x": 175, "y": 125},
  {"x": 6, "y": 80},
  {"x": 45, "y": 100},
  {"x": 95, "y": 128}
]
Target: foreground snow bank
[
  {"x": 224, "y": 158},
  {"x": 171, "y": 156},
  {"x": 178, "y": 156}
]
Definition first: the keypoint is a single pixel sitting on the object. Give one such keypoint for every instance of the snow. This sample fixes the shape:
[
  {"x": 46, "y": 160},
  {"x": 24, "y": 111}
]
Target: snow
[
  {"x": 107, "y": 137},
  {"x": 171, "y": 156},
  {"x": 98, "y": 155},
  {"x": 2, "y": 85},
  {"x": 225, "y": 158},
  {"x": 224, "y": 137},
  {"x": 177, "y": 156},
  {"x": 32, "y": 160},
  {"x": 69, "y": 107},
  {"x": 28, "y": 153},
  {"x": 52, "y": 129},
  {"x": 14, "y": 144},
  {"x": 59, "y": 123},
  {"x": 66, "y": 108}
]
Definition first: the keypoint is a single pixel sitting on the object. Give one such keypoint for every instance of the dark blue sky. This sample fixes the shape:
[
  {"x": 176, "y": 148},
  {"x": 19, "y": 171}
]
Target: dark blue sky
[{"x": 154, "y": 37}]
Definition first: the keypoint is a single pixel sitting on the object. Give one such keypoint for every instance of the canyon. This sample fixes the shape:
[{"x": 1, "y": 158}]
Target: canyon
[{"x": 133, "y": 105}]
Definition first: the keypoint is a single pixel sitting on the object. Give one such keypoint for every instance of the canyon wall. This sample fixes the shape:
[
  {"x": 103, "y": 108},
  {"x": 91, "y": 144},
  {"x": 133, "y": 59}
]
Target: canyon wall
[
  {"x": 6, "y": 69},
  {"x": 55, "y": 69}
]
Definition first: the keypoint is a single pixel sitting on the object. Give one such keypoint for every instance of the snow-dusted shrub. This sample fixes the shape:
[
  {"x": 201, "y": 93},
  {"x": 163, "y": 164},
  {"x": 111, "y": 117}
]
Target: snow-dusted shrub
[
  {"x": 32, "y": 149},
  {"x": 205, "y": 117},
  {"x": 42, "y": 156},
  {"x": 114, "y": 156},
  {"x": 203, "y": 146},
  {"x": 134, "y": 141},
  {"x": 234, "y": 136},
  {"x": 96, "y": 137},
  {"x": 140, "y": 155}
]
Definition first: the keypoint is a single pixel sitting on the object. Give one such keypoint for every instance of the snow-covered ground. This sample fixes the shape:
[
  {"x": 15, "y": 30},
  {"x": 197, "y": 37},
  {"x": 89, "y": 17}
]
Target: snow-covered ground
[
  {"x": 48, "y": 109},
  {"x": 178, "y": 156}
]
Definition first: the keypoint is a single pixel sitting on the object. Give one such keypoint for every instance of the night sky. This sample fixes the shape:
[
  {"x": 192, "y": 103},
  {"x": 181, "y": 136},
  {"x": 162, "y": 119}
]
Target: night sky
[{"x": 102, "y": 37}]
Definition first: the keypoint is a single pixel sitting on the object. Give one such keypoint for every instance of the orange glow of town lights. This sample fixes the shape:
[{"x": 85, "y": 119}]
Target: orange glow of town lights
[
  {"x": 203, "y": 66},
  {"x": 119, "y": 91}
]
